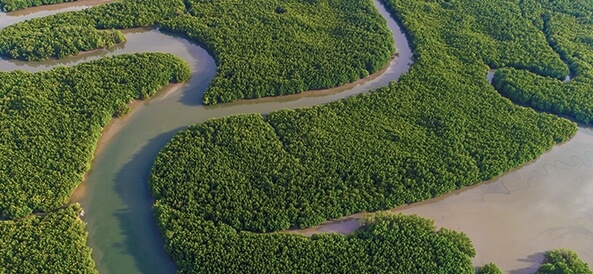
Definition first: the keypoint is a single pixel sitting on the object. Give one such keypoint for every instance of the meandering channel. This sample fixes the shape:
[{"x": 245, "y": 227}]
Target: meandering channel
[
  {"x": 541, "y": 206},
  {"x": 115, "y": 195}
]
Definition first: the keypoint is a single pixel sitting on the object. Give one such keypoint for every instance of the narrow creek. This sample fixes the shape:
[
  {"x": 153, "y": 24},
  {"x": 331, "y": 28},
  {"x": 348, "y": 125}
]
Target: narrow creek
[{"x": 511, "y": 221}]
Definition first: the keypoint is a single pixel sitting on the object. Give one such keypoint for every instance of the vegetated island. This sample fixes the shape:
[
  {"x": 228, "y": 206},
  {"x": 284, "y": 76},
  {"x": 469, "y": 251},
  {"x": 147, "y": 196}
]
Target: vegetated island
[{"x": 221, "y": 184}]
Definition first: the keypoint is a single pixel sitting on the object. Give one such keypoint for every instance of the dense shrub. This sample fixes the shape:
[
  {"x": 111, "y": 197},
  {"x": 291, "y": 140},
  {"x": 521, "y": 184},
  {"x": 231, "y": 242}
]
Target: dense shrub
[
  {"x": 489, "y": 269},
  {"x": 69, "y": 33},
  {"x": 568, "y": 27},
  {"x": 385, "y": 244},
  {"x": 441, "y": 127},
  {"x": 270, "y": 48}
]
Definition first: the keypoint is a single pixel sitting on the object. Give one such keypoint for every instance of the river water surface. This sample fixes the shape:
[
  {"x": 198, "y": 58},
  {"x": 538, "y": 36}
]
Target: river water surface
[{"x": 541, "y": 206}]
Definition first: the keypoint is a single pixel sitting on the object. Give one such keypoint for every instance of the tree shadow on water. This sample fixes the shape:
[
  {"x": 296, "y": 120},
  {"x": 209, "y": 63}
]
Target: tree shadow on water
[
  {"x": 534, "y": 259},
  {"x": 142, "y": 238},
  {"x": 203, "y": 71}
]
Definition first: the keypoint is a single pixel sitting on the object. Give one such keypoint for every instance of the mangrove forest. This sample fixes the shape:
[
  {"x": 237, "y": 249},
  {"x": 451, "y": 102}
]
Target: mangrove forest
[{"x": 231, "y": 193}]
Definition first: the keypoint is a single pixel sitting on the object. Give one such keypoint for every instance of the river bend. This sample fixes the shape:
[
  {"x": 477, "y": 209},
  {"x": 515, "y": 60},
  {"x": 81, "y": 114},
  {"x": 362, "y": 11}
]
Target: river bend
[
  {"x": 511, "y": 221},
  {"x": 115, "y": 194}
]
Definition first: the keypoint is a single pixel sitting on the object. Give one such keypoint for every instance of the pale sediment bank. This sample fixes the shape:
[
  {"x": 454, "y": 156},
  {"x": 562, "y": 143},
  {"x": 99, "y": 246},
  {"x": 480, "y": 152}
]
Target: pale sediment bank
[{"x": 111, "y": 129}]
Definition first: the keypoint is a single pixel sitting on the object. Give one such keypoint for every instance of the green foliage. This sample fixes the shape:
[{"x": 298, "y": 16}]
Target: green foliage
[
  {"x": 51, "y": 122},
  {"x": 441, "y": 127},
  {"x": 573, "y": 99},
  {"x": 271, "y": 47},
  {"x": 61, "y": 42},
  {"x": 12, "y": 5},
  {"x": 489, "y": 268},
  {"x": 421, "y": 138},
  {"x": 386, "y": 244},
  {"x": 50, "y": 243},
  {"x": 69, "y": 33},
  {"x": 13, "y": 212},
  {"x": 571, "y": 37},
  {"x": 563, "y": 261}
]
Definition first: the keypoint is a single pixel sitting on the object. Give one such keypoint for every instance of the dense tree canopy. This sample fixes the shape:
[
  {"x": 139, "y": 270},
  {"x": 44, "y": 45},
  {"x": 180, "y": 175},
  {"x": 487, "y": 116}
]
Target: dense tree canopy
[
  {"x": 441, "y": 127},
  {"x": 568, "y": 26},
  {"x": 48, "y": 243},
  {"x": 51, "y": 122},
  {"x": 271, "y": 47},
  {"x": 267, "y": 48},
  {"x": 385, "y": 244},
  {"x": 220, "y": 184}
]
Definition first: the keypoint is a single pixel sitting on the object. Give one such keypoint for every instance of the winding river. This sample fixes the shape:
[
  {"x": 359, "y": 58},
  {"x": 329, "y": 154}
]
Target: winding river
[
  {"x": 543, "y": 205},
  {"x": 115, "y": 195}
]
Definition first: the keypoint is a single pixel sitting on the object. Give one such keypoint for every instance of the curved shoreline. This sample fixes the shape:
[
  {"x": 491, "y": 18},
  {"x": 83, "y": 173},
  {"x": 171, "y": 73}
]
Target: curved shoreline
[
  {"x": 515, "y": 217},
  {"x": 111, "y": 129},
  {"x": 114, "y": 129},
  {"x": 115, "y": 124},
  {"x": 347, "y": 224},
  {"x": 451, "y": 210},
  {"x": 122, "y": 230},
  {"x": 126, "y": 187}
]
